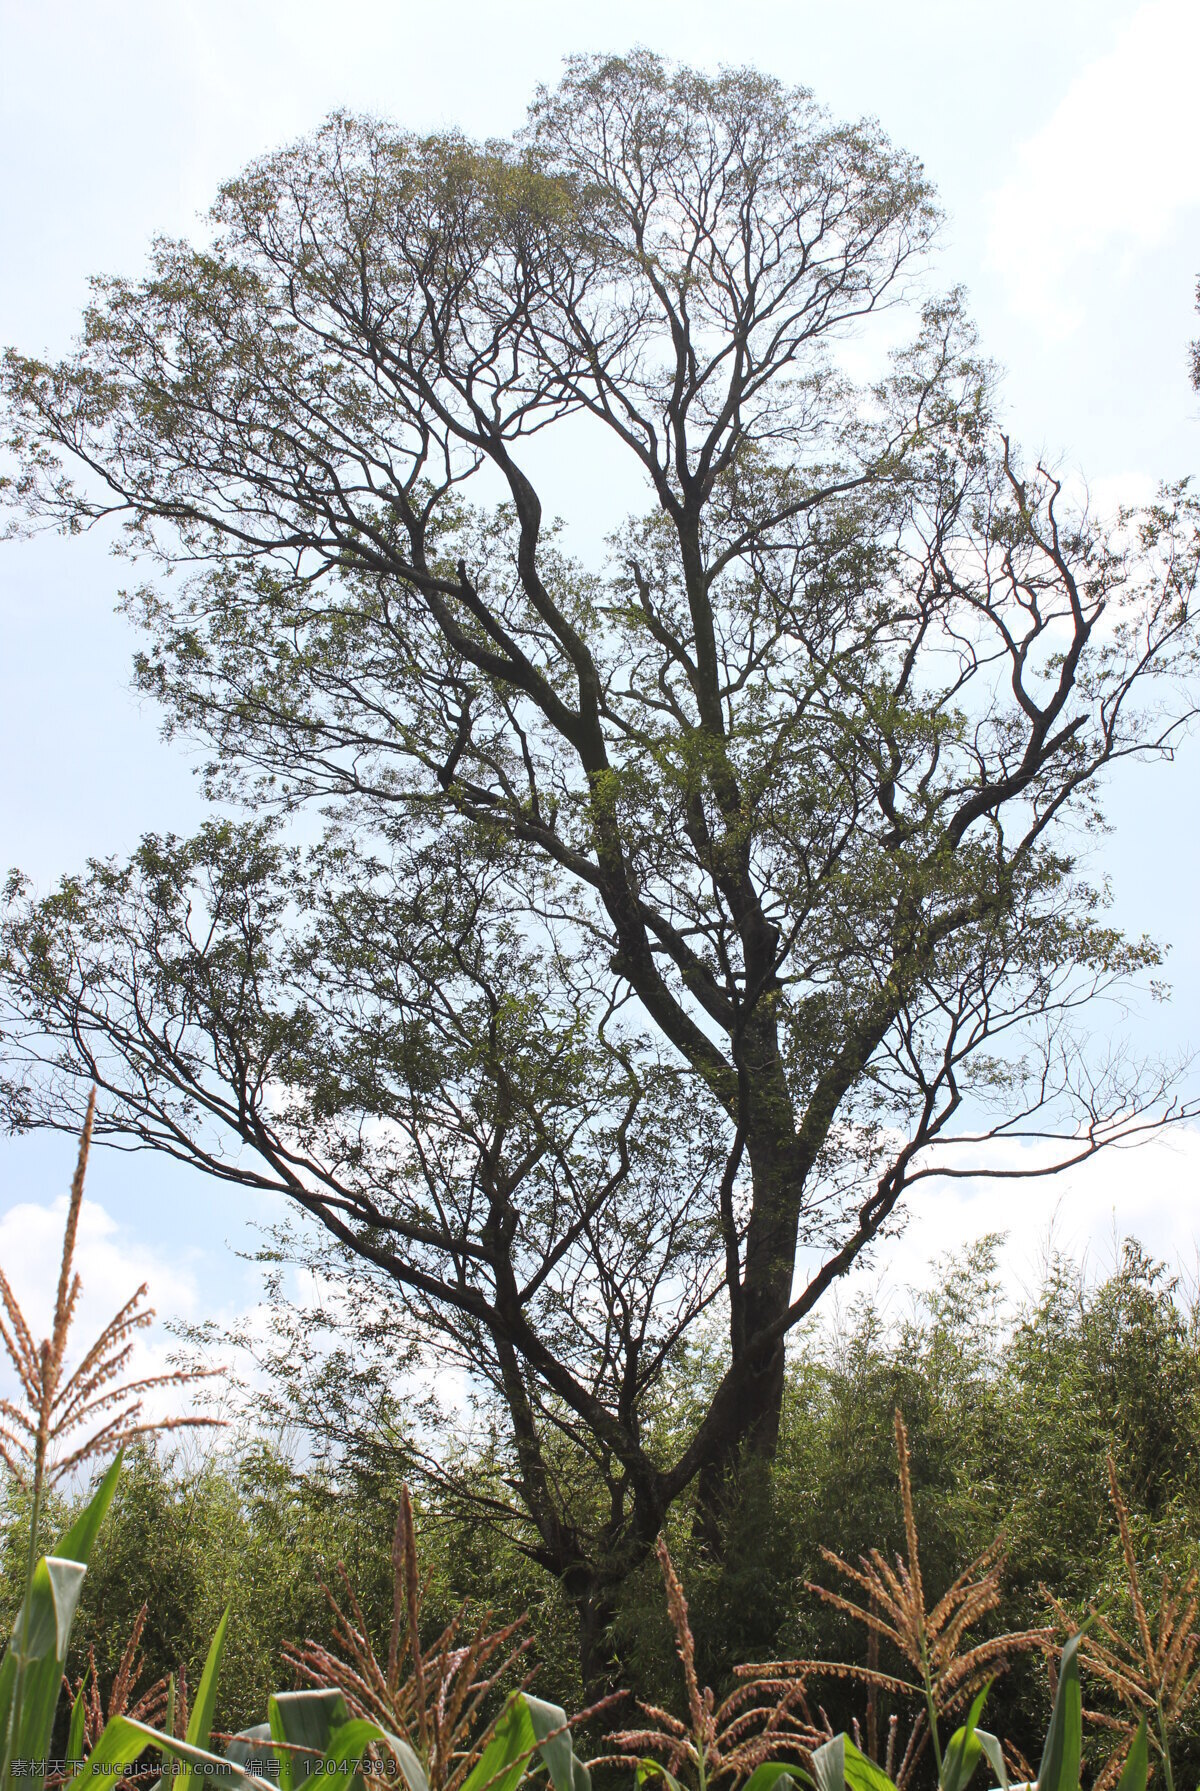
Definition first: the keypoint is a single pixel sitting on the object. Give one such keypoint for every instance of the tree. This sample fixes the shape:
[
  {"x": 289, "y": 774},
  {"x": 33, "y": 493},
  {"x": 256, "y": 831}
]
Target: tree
[{"x": 673, "y": 919}]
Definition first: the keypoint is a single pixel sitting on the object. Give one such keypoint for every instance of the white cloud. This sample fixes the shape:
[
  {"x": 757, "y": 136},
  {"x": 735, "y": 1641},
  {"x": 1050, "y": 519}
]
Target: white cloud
[
  {"x": 1105, "y": 179},
  {"x": 1150, "y": 1191}
]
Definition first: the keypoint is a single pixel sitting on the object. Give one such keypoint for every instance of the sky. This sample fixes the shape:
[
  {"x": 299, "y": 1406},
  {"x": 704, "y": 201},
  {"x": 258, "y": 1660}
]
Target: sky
[{"x": 1064, "y": 140}]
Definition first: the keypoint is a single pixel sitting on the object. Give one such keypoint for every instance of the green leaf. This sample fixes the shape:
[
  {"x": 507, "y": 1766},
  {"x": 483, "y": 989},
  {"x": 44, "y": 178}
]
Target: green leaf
[
  {"x": 965, "y": 1750},
  {"x": 249, "y": 1745},
  {"x": 829, "y": 1765},
  {"x": 650, "y": 1769},
  {"x": 303, "y": 1720},
  {"x": 75, "y": 1734},
  {"x": 350, "y": 1740},
  {"x": 767, "y": 1776},
  {"x": 1061, "y": 1756},
  {"x": 43, "y": 1679},
  {"x": 411, "y": 1768},
  {"x": 840, "y": 1766},
  {"x": 348, "y": 1744},
  {"x": 553, "y": 1737},
  {"x": 41, "y": 1634},
  {"x": 200, "y": 1719},
  {"x": 505, "y": 1759},
  {"x": 862, "y": 1774},
  {"x": 45, "y": 1629},
  {"x": 124, "y": 1740},
  {"x": 995, "y": 1756},
  {"x": 76, "y": 1545},
  {"x": 1136, "y": 1769}
]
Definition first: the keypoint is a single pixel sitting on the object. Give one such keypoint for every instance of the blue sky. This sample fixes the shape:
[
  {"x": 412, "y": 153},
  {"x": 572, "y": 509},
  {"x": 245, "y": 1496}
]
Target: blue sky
[{"x": 1064, "y": 139}]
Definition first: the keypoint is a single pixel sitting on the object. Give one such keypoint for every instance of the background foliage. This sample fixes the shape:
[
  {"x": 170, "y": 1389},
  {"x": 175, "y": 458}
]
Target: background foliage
[{"x": 1009, "y": 1420}]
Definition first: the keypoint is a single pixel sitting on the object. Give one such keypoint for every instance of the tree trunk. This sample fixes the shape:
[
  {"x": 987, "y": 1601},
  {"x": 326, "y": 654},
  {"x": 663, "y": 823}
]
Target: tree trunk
[
  {"x": 754, "y": 1445},
  {"x": 762, "y": 1298},
  {"x": 593, "y": 1594}
]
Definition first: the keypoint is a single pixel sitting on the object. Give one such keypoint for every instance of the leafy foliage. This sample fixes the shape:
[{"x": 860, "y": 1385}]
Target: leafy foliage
[
  {"x": 676, "y": 917},
  {"x": 951, "y": 1664}
]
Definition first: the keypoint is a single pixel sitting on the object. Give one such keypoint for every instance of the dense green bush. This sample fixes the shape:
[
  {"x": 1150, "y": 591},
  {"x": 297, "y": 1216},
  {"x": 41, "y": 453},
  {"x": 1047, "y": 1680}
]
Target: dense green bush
[{"x": 1009, "y": 1424}]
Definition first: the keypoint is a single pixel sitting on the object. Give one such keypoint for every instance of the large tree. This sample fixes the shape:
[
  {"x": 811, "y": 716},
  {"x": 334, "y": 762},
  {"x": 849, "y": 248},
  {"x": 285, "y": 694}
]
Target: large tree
[{"x": 671, "y": 918}]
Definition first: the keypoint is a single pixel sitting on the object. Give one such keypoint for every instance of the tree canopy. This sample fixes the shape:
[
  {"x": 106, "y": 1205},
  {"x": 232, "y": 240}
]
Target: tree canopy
[{"x": 659, "y": 924}]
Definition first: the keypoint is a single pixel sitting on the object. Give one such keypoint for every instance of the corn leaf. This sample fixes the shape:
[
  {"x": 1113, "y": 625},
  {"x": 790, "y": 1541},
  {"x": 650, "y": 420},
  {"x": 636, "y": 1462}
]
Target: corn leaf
[
  {"x": 76, "y": 1545},
  {"x": 302, "y": 1725},
  {"x": 553, "y": 1737},
  {"x": 75, "y": 1733},
  {"x": 995, "y": 1756},
  {"x": 200, "y": 1720},
  {"x": 840, "y": 1766},
  {"x": 767, "y": 1776},
  {"x": 124, "y": 1740},
  {"x": 411, "y": 1769},
  {"x": 347, "y": 1745},
  {"x": 350, "y": 1741},
  {"x": 1062, "y": 1753},
  {"x": 41, "y": 1635},
  {"x": 45, "y": 1628},
  {"x": 251, "y": 1745},
  {"x": 650, "y": 1769},
  {"x": 504, "y": 1760},
  {"x": 43, "y": 1677},
  {"x": 964, "y": 1750},
  {"x": 1136, "y": 1769},
  {"x": 829, "y": 1765}
]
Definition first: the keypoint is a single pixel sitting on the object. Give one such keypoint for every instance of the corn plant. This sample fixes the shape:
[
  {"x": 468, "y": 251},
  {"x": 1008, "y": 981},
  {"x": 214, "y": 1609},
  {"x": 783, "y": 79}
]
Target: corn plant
[
  {"x": 755, "y": 1735},
  {"x": 1154, "y": 1673},
  {"x": 435, "y": 1698},
  {"x": 314, "y": 1734},
  {"x": 949, "y": 1667},
  {"x": 59, "y": 1423},
  {"x": 90, "y": 1709},
  {"x": 840, "y": 1765},
  {"x": 424, "y": 1717}
]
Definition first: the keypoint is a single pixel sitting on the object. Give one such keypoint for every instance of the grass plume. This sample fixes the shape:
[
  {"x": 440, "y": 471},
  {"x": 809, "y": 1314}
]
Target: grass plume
[
  {"x": 765, "y": 1719},
  {"x": 935, "y": 1642},
  {"x": 65, "y": 1420},
  {"x": 436, "y": 1697},
  {"x": 1154, "y": 1673},
  {"x": 61, "y": 1421}
]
